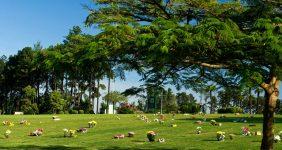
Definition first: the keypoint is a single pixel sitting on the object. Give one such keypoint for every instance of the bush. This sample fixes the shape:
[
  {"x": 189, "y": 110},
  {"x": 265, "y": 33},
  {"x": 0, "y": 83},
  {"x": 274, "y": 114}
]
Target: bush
[
  {"x": 61, "y": 112},
  {"x": 29, "y": 108},
  {"x": 73, "y": 111},
  {"x": 91, "y": 112},
  {"x": 190, "y": 108},
  {"x": 126, "y": 109},
  {"x": 230, "y": 110},
  {"x": 81, "y": 112},
  {"x": 66, "y": 112}
]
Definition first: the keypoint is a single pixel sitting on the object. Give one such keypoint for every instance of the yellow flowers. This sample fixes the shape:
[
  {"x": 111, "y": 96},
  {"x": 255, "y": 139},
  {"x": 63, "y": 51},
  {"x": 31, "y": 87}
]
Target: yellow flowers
[
  {"x": 25, "y": 122},
  {"x": 220, "y": 135},
  {"x": 69, "y": 133},
  {"x": 174, "y": 125},
  {"x": 7, "y": 133},
  {"x": 8, "y": 123},
  {"x": 92, "y": 124}
]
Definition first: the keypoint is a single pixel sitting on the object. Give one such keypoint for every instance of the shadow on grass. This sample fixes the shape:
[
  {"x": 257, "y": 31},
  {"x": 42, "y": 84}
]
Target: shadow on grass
[{"x": 47, "y": 147}]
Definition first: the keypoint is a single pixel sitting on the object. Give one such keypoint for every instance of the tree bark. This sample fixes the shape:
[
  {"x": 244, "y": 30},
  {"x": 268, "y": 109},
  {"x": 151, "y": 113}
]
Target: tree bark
[
  {"x": 98, "y": 89},
  {"x": 271, "y": 95},
  {"x": 109, "y": 88}
]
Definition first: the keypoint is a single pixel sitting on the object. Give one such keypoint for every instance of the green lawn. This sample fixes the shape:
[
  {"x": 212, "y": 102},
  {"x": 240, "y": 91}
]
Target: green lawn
[{"x": 100, "y": 137}]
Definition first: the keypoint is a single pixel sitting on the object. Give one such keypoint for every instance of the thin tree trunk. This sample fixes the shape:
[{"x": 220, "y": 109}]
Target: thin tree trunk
[
  {"x": 271, "y": 95},
  {"x": 93, "y": 94},
  {"x": 109, "y": 88},
  {"x": 250, "y": 100},
  {"x": 98, "y": 90},
  {"x": 257, "y": 108}
]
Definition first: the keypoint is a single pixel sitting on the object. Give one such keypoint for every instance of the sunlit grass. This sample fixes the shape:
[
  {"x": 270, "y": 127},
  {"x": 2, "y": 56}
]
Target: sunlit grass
[{"x": 101, "y": 137}]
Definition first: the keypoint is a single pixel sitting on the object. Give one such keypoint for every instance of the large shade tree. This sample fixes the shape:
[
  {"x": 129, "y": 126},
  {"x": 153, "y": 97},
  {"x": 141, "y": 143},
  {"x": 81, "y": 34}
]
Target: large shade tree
[{"x": 243, "y": 39}]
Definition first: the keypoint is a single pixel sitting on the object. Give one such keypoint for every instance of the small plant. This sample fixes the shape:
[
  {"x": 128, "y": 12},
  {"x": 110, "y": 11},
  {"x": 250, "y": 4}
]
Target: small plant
[
  {"x": 92, "y": 124},
  {"x": 7, "y": 133},
  {"x": 151, "y": 135},
  {"x": 220, "y": 135}
]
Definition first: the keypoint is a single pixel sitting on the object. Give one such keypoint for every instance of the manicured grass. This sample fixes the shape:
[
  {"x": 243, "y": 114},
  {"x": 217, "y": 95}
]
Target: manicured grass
[{"x": 101, "y": 137}]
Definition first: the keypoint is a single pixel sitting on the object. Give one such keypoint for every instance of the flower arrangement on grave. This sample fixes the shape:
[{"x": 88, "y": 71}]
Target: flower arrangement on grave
[
  {"x": 69, "y": 133},
  {"x": 24, "y": 122},
  {"x": 173, "y": 125},
  {"x": 199, "y": 130},
  {"x": 220, "y": 135},
  {"x": 213, "y": 122},
  {"x": 246, "y": 131},
  {"x": 277, "y": 138},
  {"x": 92, "y": 124},
  {"x": 119, "y": 136},
  {"x": 37, "y": 132},
  {"x": 7, "y": 133},
  {"x": 81, "y": 130},
  {"x": 8, "y": 123},
  {"x": 151, "y": 135}
]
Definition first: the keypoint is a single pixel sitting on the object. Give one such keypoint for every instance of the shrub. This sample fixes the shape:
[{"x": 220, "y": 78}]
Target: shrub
[
  {"x": 81, "y": 111},
  {"x": 29, "y": 108},
  {"x": 91, "y": 112},
  {"x": 126, "y": 109},
  {"x": 61, "y": 112},
  {"x": 66, "y": 112},
  {"x": 73, "y": 111},
  {"x": 190, "y": 108},
  {"x": 230, "y": 110}
]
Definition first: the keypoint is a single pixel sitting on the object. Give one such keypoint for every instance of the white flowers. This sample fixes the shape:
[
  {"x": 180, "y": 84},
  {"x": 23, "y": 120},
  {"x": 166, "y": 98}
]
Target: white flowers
[
  {"x": 277, "y": 138},
  {"x": 199, "y": 130}
]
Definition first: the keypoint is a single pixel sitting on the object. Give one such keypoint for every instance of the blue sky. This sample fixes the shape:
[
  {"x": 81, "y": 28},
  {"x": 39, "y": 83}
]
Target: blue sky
[{"x": 25, "y": 22}]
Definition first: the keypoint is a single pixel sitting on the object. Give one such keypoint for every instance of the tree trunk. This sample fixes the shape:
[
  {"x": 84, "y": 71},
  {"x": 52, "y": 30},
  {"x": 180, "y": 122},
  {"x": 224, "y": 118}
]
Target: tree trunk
[
  {"x": 271, "y": 95},
  {"x": 93, "y": 95},
  {"x": 98, "y": 87},
  {"x": 250, "y": 100},
  {"x": 109, "y": 86},
  {"x": 257, "y": 108}
]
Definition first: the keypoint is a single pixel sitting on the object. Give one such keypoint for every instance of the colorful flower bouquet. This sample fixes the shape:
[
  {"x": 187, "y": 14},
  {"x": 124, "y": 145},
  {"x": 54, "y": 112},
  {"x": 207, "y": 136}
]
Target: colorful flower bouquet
[
  {"x": 24, "y": 122},
  {"x": 220, "y": 135},
  {"x": 8, "y": 123},
  {"x": 81, "y": 130},
  {"x": 92, "y": 124},
  {"x": 199, "y": 130},
  {"x": 37, "y": 132},
  {"x": 69, "y": 133},
  {"x": 151, "y": 135},
  {"x": 7, "y": 133},
  {"x": 246, "y": 131}
]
